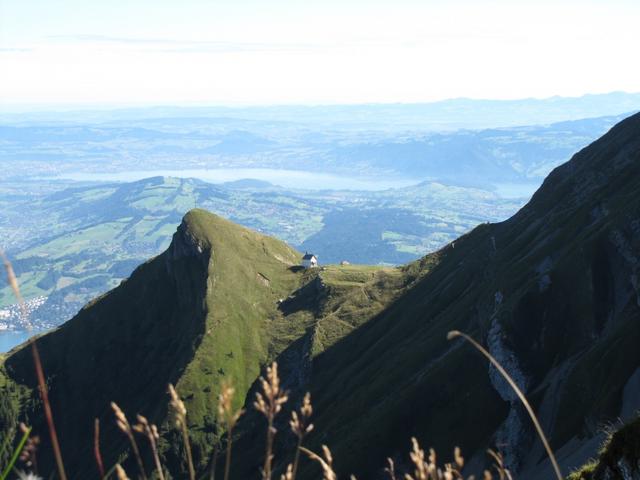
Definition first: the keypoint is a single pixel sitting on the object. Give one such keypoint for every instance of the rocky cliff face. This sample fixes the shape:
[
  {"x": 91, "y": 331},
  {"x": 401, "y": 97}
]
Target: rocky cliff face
[
  {"x": 552, "y": 291},
  {"x": 568, "y": 269},
  {"x": 619, "y": 458}
]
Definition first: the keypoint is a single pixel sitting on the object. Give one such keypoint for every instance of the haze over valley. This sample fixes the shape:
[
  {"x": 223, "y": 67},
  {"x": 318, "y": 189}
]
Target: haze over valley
[
  {"x": 92, "y": 194},
  {"x": 337, "y": 239}
]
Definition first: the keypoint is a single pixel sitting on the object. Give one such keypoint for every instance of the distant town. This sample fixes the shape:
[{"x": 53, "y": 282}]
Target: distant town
[{"x": 20, "y": 317}]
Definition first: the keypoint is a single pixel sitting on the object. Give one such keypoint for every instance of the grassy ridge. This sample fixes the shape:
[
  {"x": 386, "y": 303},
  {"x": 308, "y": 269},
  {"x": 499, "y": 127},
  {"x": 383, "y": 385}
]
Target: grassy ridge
[
  {"x": 77, "y": 243},
  {"x": 553, "y": 293},
  {"x": 195, "y": 315},
  {"x": 553, "y": 286},
  {"x": 247, "y": 274},
  {"x": 223, "y": 301}
]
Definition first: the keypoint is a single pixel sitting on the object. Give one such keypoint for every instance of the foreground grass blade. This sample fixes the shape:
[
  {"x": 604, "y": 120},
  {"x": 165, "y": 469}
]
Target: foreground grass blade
[
  {"x": 6, "y": 441},
  {"x": 454, "y": 334},
  {"x": 180, "y": 414},
  {"x": 42, "y": 386},
  {"x": 96, "y": 447},
  {"x": 16, "y": 454}
]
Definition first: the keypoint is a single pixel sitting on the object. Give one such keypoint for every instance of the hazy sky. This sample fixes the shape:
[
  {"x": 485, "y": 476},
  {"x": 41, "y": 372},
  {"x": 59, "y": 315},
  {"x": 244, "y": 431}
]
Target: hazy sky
[{"x": 307, "y": 51}]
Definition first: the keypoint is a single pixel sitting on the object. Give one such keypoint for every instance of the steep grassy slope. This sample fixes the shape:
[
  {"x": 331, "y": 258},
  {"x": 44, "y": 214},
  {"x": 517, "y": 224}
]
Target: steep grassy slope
[
  {"x": 195, "y": 315},
  {"x": 553, "y": 291},
  {"x": 75, "y": 244},
  {"x": 334, "y": 302},
  {"x": 85, "y": 240},
  {"x": 222, "y": 301}
]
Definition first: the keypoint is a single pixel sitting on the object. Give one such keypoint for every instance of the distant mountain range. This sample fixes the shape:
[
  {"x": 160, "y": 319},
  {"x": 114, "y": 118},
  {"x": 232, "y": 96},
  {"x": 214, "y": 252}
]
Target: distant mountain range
[
  {"x": 553, "y": 292},
  {"x": 499, "y": 152},
  {"x": 74, "y": 240},
  {"x": 452, "y": 114},
  {"x": 76, "y": 243}
]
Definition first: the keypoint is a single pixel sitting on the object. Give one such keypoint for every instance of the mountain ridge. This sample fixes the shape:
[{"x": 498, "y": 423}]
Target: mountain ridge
[
  {"x": 551, "y": 291},
  {"x": 512, "y": 305},
  {"x": 182, "y": 317}
]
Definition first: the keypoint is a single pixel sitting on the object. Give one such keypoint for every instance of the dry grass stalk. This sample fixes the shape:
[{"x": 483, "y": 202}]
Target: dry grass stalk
[
  {"x": 300, "y": 427},
  {"x": 44, "y": 394},
  {"x": 125, "y": 427},
  {"x": 453, "y": 470},
  {"x": 425, "y": 468},
  {"x": 417, "y": 456},
  {"x": 29, "y": 452},
  {"x": 288, "y": 474},
  {"x": 120, "y": 473},
  {"x": 229, "y": 417},
  {"x": 42, "y": 385},
  {"x": 13, "y": 283},
  {"x": 151, "y": 432},
  {"x": 180, "y": 415},
  {"x": 458, "y": 458},
  {"x": 96, "y": 447},
  {"x": 498, "y": 465},
  {"x": 326, "y": 463},
  {"x": 390, "y": 469},
  {"x": 269, "y": 403},
  {"x": 454, "y": 334}
]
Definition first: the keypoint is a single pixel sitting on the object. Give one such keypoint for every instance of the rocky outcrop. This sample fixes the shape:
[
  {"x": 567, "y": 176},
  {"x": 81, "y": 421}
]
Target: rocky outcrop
[{"x": 619, "y": 458}]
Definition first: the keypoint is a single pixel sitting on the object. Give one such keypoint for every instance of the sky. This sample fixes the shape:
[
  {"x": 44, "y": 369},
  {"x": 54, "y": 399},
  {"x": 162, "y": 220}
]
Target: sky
[{"x": 265, "y": 52}]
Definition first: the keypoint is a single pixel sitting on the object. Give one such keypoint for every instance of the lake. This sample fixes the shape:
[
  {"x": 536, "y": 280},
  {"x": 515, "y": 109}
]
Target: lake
[
  {"x": 292, "y": 179},
  {"x": 8, "y": 340},
  {"x": 516, "y": 190}
]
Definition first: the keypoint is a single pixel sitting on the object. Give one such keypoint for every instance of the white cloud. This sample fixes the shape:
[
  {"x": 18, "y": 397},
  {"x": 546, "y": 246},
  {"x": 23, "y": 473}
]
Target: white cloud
[{"x": 377, "y": 52}]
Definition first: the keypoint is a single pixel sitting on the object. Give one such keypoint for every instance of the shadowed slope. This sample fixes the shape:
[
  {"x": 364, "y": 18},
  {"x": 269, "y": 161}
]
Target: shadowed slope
[
  {"x": 193, "y": 316},
  {"x": 125, "y": 346},
  {"x": 553, "y": 292}
]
